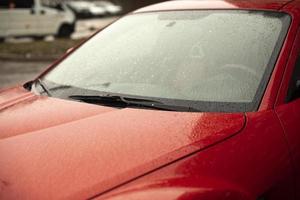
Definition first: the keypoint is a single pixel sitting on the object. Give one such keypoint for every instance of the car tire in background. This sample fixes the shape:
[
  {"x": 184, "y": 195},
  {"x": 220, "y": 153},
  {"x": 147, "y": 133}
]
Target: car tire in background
[{"x": 65, "y": 30}]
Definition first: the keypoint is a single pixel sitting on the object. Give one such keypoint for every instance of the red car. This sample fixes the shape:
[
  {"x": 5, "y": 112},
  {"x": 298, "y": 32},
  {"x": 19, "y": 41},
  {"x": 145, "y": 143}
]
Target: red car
[{"x": 185, "y": 100}]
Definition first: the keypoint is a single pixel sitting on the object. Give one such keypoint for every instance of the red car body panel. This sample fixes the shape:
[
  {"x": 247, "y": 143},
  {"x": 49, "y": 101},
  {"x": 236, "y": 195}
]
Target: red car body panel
[
  {"x": 226, "y": 169},
  {"x": 288, "y": 113},
  {"x": 51, "y": 148},
  {"x": 82, "y": 146},
  {"x": 44, "y": 112}
]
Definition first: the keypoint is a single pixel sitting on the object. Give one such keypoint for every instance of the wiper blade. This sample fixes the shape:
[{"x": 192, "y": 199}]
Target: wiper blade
[
  {"x": 107, "y": 100},
  {"x": 120, "y": 101},
  {"x": 44, "y": 87},
  {"x": 114, "y": 100}
]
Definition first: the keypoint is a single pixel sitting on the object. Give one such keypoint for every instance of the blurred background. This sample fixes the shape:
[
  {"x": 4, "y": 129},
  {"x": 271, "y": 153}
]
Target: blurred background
[{"x": 34, "y": 33}]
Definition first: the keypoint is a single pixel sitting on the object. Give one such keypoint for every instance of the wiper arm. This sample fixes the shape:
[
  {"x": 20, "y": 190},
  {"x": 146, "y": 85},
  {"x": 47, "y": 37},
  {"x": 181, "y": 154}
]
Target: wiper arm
[
  {"x": 44, "y": 87},
  {"x": 120, "y": 101},
  {"x": 114, "y": 100},
  {"x": 107, "y": 100}
]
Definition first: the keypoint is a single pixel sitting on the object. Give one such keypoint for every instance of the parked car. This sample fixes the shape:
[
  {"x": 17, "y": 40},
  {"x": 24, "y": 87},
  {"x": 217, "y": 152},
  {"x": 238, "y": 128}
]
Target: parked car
[
  {"x": 110, "y": 8},
  {"x": 85, "y": 9},
  {"x": 31, "y": 18},
  {"x": 181, "y": 100}
]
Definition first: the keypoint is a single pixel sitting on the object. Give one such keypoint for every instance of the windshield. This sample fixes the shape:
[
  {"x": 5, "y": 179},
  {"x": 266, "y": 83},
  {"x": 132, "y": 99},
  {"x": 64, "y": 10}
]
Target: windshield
[{"x": 212, "y": 60}]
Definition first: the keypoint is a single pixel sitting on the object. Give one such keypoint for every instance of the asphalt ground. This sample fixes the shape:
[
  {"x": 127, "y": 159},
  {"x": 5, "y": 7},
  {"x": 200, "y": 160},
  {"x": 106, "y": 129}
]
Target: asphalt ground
[{"x": 14, "y": 72}]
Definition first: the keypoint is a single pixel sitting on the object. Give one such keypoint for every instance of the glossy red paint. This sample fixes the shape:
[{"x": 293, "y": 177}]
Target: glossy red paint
[
  {"x": 242, "y": 167},
  {"x": 289, "y": 112},
  {"x": 96, "y": 145},
  {"x": 58, "y": 149},
  {"x": 36, "y": 112}
]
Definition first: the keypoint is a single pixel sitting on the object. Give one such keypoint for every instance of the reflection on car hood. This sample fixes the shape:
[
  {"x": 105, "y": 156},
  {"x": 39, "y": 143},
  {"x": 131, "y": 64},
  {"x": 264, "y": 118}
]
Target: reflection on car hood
[{"x": 52, "y": 148}]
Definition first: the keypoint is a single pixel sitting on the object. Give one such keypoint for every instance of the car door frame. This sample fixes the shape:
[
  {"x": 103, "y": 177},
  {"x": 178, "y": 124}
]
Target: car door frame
[{"x": 282, "y": 107}]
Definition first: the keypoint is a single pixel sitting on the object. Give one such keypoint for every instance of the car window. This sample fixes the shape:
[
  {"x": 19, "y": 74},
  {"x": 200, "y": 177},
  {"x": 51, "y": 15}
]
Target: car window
[{"x": 220, "y": 60}]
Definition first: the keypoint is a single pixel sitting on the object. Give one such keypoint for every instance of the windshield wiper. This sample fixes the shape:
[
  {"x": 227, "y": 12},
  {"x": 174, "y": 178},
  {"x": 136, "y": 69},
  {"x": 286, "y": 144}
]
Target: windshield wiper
[
  {"x": 123, "y": 102},
  {"x": 44, "y": 87}
]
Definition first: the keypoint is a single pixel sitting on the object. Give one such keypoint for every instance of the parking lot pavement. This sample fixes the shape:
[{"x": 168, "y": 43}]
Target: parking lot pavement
[{"x": 13, "y": 73}]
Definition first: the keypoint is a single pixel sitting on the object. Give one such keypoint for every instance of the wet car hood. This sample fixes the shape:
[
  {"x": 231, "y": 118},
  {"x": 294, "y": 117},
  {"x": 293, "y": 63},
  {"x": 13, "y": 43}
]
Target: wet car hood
[{"x": 52, "y": 148}]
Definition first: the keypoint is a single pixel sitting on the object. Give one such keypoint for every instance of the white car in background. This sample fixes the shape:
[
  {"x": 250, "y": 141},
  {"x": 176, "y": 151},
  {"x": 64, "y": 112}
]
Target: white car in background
[
  {"x": 85, "y": 9},
  {"x": 32, "y": 18},
  {"x": 110, "y": 8}
]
